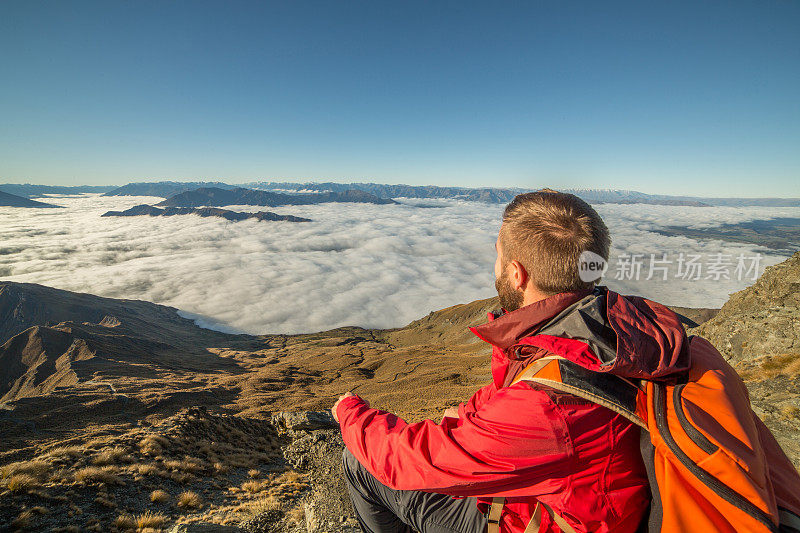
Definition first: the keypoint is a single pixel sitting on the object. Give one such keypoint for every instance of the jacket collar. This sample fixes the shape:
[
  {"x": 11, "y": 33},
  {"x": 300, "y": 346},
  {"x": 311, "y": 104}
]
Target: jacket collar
[{"x": 508, "y": 328}]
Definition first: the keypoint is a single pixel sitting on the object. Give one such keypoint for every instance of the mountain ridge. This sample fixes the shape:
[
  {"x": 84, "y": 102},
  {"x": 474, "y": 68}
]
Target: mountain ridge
[
  {"x": 12, "y": 200},
  {"x": 164, "y": 189},
  {"x": 485, "y": 194},
  {"x": 29, "y": 190},
  {"x": 233, "y": 216},
  {"x": 213, "y": 196}
]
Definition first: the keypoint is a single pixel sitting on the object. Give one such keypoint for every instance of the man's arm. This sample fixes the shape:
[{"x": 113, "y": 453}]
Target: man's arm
[
  {"x": 477, "y": 399},
  {"x": 471, "y": 405},
  {"x": 516, "y": 435}
]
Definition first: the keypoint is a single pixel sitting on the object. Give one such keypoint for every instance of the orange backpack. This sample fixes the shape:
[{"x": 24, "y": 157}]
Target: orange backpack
[{"x": 713, "y": 465}]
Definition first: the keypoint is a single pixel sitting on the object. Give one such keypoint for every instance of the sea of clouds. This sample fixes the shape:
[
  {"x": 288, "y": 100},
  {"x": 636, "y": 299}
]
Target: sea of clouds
[{"x": 355, "y": 264}]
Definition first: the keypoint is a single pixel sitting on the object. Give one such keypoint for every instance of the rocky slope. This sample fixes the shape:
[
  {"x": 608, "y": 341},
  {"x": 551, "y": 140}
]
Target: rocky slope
[
  {"x": 762, "y": 320},
  {"x": 233, "y": 216}
]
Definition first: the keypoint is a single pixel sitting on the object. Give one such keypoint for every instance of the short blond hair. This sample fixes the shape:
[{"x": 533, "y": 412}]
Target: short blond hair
[{"x": 546, "y": 231}]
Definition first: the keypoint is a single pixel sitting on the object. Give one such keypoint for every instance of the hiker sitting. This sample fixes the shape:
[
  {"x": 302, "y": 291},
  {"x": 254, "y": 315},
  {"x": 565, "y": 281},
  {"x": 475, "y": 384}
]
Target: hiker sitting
[{"x": 552, "y": 443}]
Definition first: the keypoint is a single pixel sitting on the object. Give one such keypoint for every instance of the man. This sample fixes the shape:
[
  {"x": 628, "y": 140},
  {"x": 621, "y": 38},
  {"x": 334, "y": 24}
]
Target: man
[{"x": 532, "y": 446}]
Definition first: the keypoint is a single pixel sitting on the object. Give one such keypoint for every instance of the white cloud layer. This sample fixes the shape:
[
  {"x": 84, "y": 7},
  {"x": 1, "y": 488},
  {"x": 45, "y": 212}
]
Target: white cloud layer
[{"x": 356, "y": 264}]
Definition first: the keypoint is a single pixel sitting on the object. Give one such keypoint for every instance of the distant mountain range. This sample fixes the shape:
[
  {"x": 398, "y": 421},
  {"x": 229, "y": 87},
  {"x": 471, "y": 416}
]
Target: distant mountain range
[
  {"x": 12, "y": 200},
  {"x": 505, "y": 195},
  {"x": 29, "y": 190},
  {"x": 485, "y": 194},
  {"x": 167, "y": 189},
  {"x": 164, "y": 189},
  {"x": 214, "y": 196},
  {"x": 233, "y": 216}
]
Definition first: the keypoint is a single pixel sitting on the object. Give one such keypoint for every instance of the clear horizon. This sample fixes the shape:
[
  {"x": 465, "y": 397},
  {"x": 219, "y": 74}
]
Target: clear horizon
[
  {"x": 310, "y": 181},
  {"x": 686, "y": 99}
]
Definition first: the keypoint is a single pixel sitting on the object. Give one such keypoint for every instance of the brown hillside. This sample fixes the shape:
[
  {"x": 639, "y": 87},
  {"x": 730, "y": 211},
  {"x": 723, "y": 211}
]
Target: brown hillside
[
  {"x": 24, "y": 305},
  {"x": 111, "y": 384}
]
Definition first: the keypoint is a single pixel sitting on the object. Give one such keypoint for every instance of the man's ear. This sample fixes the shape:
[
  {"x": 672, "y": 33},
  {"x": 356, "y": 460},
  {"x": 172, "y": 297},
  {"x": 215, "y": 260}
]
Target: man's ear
[{"x": 518, "y": 275}]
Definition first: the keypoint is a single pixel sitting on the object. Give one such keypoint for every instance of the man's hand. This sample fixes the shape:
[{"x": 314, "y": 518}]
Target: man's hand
[
  {"x": 450, "y": 412},
  {"x": 342, "y": 397}
]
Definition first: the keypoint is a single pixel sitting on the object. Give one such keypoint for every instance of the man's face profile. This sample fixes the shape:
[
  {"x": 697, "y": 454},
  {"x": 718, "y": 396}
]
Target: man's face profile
[{"x": 510, "y": 298}]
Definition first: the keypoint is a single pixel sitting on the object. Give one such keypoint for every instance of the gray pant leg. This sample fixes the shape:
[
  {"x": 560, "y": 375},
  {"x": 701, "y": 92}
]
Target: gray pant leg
[{"x": 380, "y": 509}]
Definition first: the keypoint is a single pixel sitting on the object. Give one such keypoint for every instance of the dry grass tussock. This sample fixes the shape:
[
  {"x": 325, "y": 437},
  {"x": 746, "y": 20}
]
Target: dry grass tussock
[
  {"x": 153, "y": 445},
  {"x": 184, "y": 478},
  {"x": 142, "y": 522},
  {"x": 24, "y": 476},
  {"x": 297, "y": 515},
  {"x": 189, "y": 500},
  {"x": 292, "y": 476},
  {"x": 790, "y": 412},
  {"x": 150, "y": 519},
  {"x": 25, "y": 518},
  {"x": 787, "y": 364},
  {"x": 35, "y": 468},
  {"x": 112, "y": 456},
  {"x": 146, "y": 469},
  {"x": 125, "y": 522},
  {"x": 159, "y": 496},
  {"x": 94, "y": 474},
  {"x": 770, "y": 366},
  {"x": 189, "y": 465},
  {"x": 258, "y": 507},
  {"x": 61, "y": 453},
  {"x": 252, "y": 486},
  {"x": 289, "y": 483},
  {"x": 21, "y": 482}
]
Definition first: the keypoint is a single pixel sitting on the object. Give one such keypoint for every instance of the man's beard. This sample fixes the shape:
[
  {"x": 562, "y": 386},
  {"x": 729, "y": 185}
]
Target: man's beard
[{"x": 510, "y": 298}]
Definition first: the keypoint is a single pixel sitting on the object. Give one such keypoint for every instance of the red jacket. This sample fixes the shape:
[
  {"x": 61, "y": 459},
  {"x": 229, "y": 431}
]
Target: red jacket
[{"x": 528, "y": 443}]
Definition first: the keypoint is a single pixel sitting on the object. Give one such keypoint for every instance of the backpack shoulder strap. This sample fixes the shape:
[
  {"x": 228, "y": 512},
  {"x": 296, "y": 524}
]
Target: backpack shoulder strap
[
  {"x": 535, "y": 523},
  {"x": 613, "y": 392}
]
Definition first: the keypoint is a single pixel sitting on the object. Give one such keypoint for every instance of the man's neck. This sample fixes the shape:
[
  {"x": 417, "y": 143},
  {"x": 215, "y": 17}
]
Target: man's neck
[{"x": 533, "y": 295}]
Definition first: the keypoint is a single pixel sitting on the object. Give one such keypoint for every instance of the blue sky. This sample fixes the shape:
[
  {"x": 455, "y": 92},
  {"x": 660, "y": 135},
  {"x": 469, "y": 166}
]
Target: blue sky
[{"x": 662, "y": 97}]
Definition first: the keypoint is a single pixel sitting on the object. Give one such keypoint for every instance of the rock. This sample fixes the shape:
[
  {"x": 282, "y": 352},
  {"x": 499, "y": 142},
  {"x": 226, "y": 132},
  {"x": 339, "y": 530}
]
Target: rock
[
  {"x": 110, "y": 321},
  {"x": 763, "y": 319},
  {"x": 314, "y": 446},
  {"x": 233, "y": 216},
  {"x": 204, "y": 528},
  {"x": 319, "y": 453},
  {"x": 304, "y": 420},
  {"x": 267, "y": 522}
]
